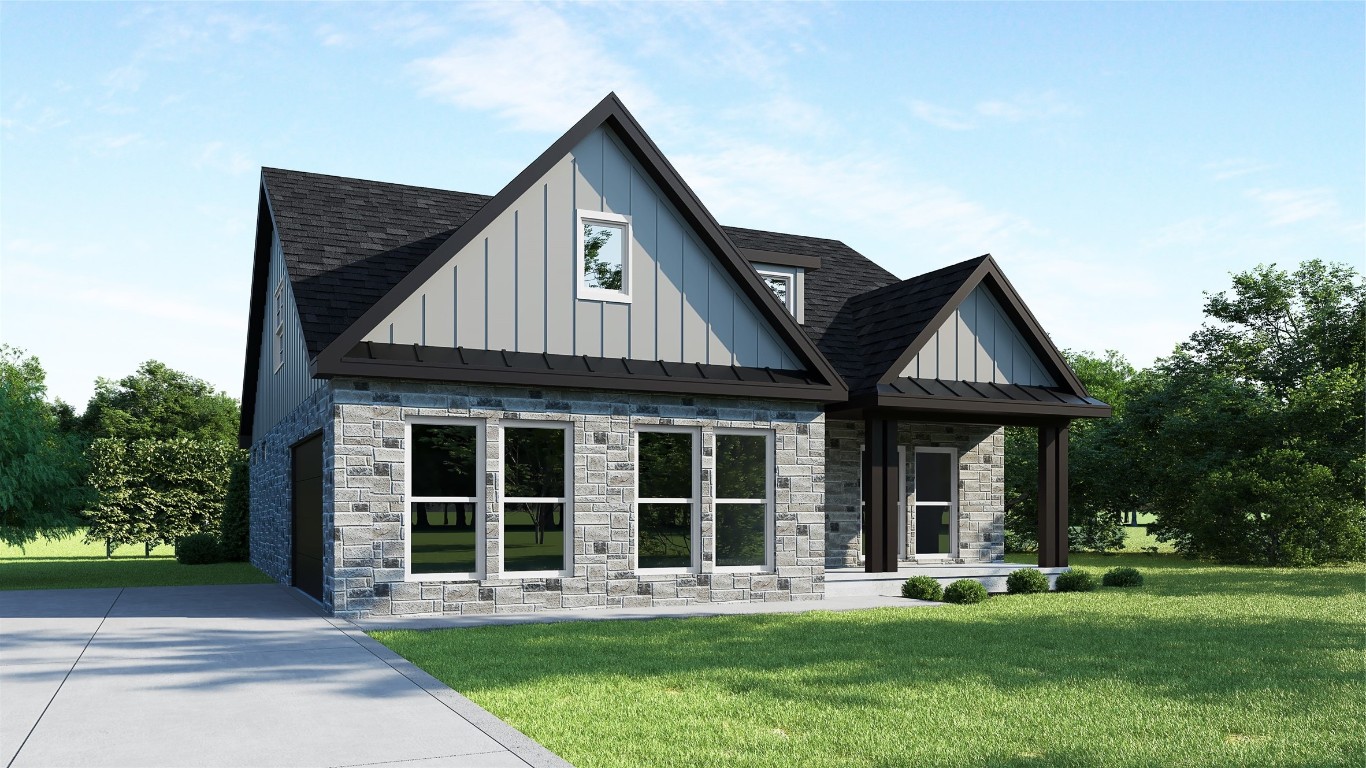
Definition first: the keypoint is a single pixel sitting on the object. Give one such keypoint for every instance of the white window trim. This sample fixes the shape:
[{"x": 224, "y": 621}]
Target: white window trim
[
  {"x": 770, "y": 507},
  {"x": 952, "y": 504},
  {"x": 279, "y": 332},
  {"x": 587, "y": 292},
  {"x": 791, "y": 279},
  {"x": 695, "y": 502},
  {"x": 567, "y": 500},
  {"x": 903, "y": 542},
  {"x": 480, "y": 515}
]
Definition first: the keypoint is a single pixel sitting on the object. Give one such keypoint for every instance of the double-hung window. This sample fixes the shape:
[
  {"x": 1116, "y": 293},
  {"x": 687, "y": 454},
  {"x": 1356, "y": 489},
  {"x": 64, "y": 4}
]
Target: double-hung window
[
  {"x": 445, "y": 499},
  {"x": 279, "y": 324},
  {"x": 744, "y": 500},
  {"x": 536, "y": 499},
  {"x": 604, "y": 257},
  {"x": 668, "y": 486},
  {"x": 936, "y": 501}
]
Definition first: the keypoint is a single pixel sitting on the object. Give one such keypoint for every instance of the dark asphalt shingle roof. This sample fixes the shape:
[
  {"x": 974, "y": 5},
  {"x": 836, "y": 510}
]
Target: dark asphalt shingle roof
[{"x": 347, "y": 242}]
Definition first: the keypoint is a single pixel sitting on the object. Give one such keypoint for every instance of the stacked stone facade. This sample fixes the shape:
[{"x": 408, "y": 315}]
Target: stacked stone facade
[
  {"x": 365, "y": 510},
  {"x": 272, "y": 489},
  {"x": 981, "y": 488}
]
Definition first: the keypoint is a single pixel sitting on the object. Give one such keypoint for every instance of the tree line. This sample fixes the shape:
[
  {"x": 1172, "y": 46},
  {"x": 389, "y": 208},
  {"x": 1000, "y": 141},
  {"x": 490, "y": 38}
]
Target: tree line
[
  {"x": 152, "y": 459},
  {"x": 1247, "y": 443}
]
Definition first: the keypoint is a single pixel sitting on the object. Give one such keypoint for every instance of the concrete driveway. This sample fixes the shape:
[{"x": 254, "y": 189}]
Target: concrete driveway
[{"x": 245, "y": 675}]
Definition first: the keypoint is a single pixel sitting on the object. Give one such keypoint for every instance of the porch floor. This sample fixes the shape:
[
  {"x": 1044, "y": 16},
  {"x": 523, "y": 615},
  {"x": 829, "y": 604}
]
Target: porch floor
[{"x": 855, "y": 582}]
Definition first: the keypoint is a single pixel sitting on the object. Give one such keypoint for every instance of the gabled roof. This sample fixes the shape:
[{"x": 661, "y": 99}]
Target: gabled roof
[{"x": 612, "y": 113}]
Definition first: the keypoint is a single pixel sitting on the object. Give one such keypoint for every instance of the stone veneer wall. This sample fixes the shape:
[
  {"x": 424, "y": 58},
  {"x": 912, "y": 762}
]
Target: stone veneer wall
[
  {"x": 272, "y": 489},
  {"x": 981, "y": 487},
  {"x": 366, "y": 514}
]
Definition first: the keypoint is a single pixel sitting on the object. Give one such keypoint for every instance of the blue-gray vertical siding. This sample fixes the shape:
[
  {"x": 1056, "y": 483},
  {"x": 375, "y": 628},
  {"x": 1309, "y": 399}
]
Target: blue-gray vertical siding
[
  {"x": 978, "y": 342},
  {"x": 514, "y": 286},
  {"x": 279, "y": 392}
]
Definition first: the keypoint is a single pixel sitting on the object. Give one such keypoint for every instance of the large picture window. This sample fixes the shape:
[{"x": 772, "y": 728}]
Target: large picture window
[
  {"x": 666, "y": 499},
  {"x": 445, "y": 499},
  {"x": 536, "y": 492},
  {"x": 744, "y": 471}
]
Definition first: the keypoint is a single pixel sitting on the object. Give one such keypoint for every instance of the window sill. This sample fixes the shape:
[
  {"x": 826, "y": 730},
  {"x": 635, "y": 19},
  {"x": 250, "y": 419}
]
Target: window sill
[
  {"x": 666, "y": 571},
  {"x": 599, "y": 294},
  {"x": 413, "y": 578}
]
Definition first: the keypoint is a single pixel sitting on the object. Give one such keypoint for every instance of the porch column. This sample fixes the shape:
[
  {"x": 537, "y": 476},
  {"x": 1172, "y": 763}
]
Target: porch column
[
  {"x": 880, "y": 487},
  {"x": 1053, "y": 495}
]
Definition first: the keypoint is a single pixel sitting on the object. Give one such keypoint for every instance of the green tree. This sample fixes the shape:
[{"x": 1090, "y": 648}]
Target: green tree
[
  {"x": 234, "y": 531},
  {"x": 1249, "y": 439},
  {"x": 157, "y": 491},
  {"x": 1100, "y": 491},
  {"x": 42, "y": 472},
  {"x": 159, "y": 403}
]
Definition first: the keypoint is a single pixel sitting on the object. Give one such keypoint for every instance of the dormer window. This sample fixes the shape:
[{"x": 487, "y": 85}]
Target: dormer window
[
  {"x": 604, "y": 257},
  {"x": 781, "y": 286}
]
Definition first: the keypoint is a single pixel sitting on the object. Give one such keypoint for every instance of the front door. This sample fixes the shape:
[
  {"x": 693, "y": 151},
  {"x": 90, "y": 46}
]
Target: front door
[
  {"x": 936, "y": 502},
  {"x": 307, "y": 474}
]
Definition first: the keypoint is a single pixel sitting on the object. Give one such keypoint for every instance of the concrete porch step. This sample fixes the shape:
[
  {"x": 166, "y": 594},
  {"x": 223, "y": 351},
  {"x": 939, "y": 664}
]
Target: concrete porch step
[{"x": 854, "y": 582}]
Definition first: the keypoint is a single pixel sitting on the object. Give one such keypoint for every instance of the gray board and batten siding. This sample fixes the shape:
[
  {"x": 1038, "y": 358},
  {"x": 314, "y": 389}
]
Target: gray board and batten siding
[
  {"x": 514, "y": 287},
  {"x": 280, "y": 391},
  {"x": 979, "y": 343}
]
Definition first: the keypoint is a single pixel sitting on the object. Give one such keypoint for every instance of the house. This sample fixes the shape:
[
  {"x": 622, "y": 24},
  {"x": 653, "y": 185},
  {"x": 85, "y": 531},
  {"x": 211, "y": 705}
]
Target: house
[{"x": 584, "y": 391}]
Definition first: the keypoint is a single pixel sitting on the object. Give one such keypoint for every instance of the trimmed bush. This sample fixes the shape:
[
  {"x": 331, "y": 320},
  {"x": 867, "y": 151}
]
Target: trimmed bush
[
  {"x": 1075, "y": 581},
  {"x": 1122, "y": 577},
  {"x": 198, "y": 549},
  {"x": 234, "y": 531},
  {"x": 1026, "y": 581},
  {"x": 922, "y": 588},
  {"x": 965, "y": 592}
]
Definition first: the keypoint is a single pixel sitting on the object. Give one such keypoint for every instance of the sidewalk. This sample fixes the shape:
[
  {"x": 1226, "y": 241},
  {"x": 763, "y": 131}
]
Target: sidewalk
[{"x": 224, "y": 676}]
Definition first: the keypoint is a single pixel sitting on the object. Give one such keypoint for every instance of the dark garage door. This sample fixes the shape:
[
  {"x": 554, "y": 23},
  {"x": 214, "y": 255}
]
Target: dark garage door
[{"x": 308, "y": 516}]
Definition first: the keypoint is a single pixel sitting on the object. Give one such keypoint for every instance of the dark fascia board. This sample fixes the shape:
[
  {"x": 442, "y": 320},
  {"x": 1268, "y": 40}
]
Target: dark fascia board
[
  {"x": 873, "y": 411},
  {"x": 260, "y": 272},
  {"x": 989, "y": 272},
  {"x": 754, "y": 255},
  {"x": 610, "y": 111},
  {"x": 964, "y": 410},
  {"x": 387, "y": 369}
]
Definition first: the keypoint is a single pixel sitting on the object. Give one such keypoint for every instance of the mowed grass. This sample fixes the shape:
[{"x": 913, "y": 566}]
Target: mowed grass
[
  {"x": 71, "y": 563},
  {"x": 1202, "y": 666}
]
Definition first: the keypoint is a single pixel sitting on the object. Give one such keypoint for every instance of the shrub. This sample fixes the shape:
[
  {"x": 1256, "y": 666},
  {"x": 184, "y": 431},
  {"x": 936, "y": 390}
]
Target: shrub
[
  {"x": 1026, "y": 581},
  {"x": 922, "y": 588},
  {"x": 1122, "y": 577},
  {"x": 198, "y": 549},
  {"x": 965, "y": 592},
  {"x": 234, "y": 532},
  {"x": 1075, "y": 581}
]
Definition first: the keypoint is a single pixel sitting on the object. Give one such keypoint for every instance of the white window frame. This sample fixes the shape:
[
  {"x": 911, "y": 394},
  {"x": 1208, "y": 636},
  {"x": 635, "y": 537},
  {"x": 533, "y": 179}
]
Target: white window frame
[
  {"x": 952, "y": 505},
  {"x": 903, "y": 523},
  {"x": 480, "y": 512},
  {"x": 770, "y": 514},
  {"x": 602, "y": 294},
  {"x": 788, "y": 277},
  {"x": 695, "y": 502},
  {"x": 567, "y": 499},
  {"x": 279, "y": 334}
]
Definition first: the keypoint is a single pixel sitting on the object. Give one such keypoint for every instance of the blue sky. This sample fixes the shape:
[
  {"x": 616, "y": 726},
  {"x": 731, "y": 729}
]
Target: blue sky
[{"x": 1117, "y": 159}]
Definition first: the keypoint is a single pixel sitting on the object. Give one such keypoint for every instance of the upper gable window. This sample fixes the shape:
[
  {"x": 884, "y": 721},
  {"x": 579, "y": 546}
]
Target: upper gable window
[
  {"x": 279, "y": 324},
  {"x": 604, "y": 256},
  {"x": 782, "y": 281}
]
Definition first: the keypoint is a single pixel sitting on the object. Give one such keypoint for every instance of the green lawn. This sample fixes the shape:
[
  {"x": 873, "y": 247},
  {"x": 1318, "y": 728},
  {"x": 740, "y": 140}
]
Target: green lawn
[
  {"x": 71, "y": 563},
  {"x": 1203, "y": 666}
]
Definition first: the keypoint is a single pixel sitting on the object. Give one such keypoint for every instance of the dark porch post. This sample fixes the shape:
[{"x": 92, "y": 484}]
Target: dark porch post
[
  {"x": 1053, "y": 495},
  {"x": 880, "y": 487}
]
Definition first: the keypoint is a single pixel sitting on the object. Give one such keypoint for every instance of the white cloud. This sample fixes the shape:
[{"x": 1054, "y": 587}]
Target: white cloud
[
  {"x": 332, "y": 37},
  {"x": 1028, "y": 106},
  {"x": 1289, "y": 206},
  {"x": 941, "y": 117},
  {"x": 1224, "y": 170},
  {"x": 217, "y": 155},
  {"x": 534, "y": 69}
]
